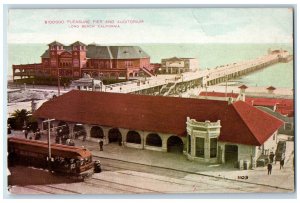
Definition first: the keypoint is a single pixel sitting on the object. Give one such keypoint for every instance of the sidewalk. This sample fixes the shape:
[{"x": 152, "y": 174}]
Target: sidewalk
[{"x": 283, "y": 178}]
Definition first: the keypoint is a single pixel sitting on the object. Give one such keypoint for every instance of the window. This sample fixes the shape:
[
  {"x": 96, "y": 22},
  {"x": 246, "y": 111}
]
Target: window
[
  {"x": 189, "y": 144},
  {"x": 75, "y": 62},
  {"x": 200, "y": 147},
  {"x": 213, "y": 147}
]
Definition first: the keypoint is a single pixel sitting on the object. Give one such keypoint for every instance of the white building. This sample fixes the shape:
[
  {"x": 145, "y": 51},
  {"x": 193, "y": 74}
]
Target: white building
[{"x": 176, "y": 65}]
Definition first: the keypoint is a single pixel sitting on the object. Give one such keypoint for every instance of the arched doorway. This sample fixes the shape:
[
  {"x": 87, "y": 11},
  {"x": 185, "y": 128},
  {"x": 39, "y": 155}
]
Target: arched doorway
[
  {"x": 79, "y": 131},
  {"x": 133, "y": 137},
  {"x": 153, "y": 139},
  {"x": 97, "y": 132},
  {"x": 231, "y": 154},
  {"x": 63, "y": 129},
  {"x": 114, "y": 135},
  {"x": 175, "y": 144}
]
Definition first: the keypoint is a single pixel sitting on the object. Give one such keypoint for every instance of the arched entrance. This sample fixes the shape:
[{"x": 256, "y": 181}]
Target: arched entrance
[
  {"x": 153, "y": 139},
  {"x": 175, "y": 144},
  {"x": 63, "y": 129},
  {"x": 97, "y": 132},
  {"x": 231, "y": 154},
  {"x": 114, "y": 135},
  {"x": 79, "y": 131},
  {"x": 133, "y": 137}
]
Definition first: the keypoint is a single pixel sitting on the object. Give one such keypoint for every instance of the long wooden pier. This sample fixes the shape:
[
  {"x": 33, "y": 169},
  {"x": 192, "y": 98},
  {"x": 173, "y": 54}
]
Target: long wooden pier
[{"x": 176, "y": 84}]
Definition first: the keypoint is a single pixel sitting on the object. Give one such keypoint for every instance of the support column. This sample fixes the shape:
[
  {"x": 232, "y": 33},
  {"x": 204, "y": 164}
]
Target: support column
[
  {"x": 143, "y": 138},
  {"x": 193, "y": 146},
  {"x": 207, "y": 149},
  {"x": 124, "y": 134},
  {"x": 88, "y": 130},
  {"x": 164, "y": 139},
  {"x": 71, "y": 128},
  {"x": 105, "y": 135}
]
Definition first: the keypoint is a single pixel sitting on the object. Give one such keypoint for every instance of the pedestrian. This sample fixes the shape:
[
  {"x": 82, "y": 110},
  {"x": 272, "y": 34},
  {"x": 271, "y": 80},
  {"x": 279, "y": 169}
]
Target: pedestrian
[
  {"x": 101, "y": 145},
  {"x": 120, "y": 140},
  {"x": 26, "y": 133},
  {"x": 57, "y": 140},
  {"x": 271, "y": 156},
  {"x": 281, "y": 163},
  {"x": 38, "y": 134},
  {"x": 269, "y": 168}
]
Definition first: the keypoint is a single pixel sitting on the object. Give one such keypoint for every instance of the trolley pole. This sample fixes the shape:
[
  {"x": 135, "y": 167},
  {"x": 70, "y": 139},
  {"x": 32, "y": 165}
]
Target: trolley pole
[{"x": 49, "y": 141}]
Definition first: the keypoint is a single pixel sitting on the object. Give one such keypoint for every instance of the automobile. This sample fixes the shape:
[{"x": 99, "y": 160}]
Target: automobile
[{"x": 279, "y": 156}]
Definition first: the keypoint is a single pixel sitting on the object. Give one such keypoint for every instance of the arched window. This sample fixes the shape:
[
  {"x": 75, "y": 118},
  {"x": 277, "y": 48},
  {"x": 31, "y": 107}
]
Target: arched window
[
  {"x": 97, "y": 132},
  {"x": 133, "y": 137},
  {"x": 153, "y": 140}
]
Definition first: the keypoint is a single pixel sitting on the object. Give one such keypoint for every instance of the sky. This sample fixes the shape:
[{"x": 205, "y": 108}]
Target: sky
[{"x": 189, "y": 25}]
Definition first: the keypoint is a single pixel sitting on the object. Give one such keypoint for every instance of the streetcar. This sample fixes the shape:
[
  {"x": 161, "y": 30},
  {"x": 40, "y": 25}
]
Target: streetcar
[{"x": 67, "y": 160}]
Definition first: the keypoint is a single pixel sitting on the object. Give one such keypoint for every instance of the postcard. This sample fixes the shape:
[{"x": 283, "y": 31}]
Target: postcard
[{"x": 160, "y": 101}]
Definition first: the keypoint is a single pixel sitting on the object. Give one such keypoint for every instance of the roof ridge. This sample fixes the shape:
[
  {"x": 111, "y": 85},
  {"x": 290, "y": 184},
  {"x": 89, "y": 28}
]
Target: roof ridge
[{"x": 244, "y": 120}]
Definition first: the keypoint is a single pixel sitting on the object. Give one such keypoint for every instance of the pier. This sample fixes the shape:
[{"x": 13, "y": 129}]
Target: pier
[{"x": 176, "y": 84}]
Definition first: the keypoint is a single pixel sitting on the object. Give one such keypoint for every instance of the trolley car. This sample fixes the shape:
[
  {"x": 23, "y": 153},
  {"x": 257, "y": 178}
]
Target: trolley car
[{"x": 67, "y": 160}]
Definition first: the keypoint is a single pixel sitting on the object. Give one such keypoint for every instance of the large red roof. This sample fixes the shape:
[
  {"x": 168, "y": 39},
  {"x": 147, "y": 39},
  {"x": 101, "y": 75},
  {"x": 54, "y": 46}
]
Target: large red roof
[{"x": 241, "y": 122}]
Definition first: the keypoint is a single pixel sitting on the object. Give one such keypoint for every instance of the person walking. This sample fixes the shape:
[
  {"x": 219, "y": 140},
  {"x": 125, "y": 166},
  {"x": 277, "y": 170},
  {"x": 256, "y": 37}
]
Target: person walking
[
  {"x": 26, "y": 133},
  {"x": 269, "y": 168},
  {"x": 38, "y": 134},
  {"x": 281, "y": 163},
  {"x": 271, "y": 156},
  {"x": 101, "y": 145}
]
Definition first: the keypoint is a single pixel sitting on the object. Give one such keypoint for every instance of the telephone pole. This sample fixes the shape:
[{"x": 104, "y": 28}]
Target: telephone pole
[{"x": 49, "y": 141}]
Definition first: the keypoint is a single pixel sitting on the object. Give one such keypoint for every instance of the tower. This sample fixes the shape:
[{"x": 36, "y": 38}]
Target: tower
[
  {"x": 55, "y": 49},
  {"x": 78, "y": 57}
]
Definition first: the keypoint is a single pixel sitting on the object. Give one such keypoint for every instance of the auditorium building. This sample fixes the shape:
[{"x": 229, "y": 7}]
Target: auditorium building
[
  {"x": 74, "y": 60},
  {"x": 208, "y": 131}
]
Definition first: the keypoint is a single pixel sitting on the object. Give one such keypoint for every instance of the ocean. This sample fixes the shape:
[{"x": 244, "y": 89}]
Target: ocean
[{"x": 209, "y": 56}]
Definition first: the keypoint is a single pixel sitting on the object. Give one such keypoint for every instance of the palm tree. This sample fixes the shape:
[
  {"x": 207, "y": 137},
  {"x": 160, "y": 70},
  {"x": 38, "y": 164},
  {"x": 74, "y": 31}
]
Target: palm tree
[{"x": 21, "y": 117}]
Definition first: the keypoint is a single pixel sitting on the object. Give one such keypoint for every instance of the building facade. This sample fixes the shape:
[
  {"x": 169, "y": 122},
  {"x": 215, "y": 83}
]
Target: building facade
[
  {"x": 176, "y": 65},
  {"x": 76, "y": 59},
  {"x": 204, "y": 130}
]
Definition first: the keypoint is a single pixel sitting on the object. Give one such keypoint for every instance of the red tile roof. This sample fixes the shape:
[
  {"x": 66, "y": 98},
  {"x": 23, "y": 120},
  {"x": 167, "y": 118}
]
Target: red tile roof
[
  {"x": 241, "y": 123},
  {"x": 218, "y": 94},
  {"x": 283, "y": 106}
]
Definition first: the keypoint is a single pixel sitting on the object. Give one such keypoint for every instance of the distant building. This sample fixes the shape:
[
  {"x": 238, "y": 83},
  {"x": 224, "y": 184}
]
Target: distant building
[
  {"x": 178, "y": 65},
  {"x": 88, "y": 83},
  {"x": 74, "y": 60},
  {"x": 204, "y": 130},
  {"x": 282, "y": 109}
]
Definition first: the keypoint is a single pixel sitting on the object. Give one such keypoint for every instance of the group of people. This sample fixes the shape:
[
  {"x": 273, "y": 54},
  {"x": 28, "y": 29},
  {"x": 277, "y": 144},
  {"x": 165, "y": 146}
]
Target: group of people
[
  {"x": 271, "y": 158},
  {"x": 37, "y": 135}
]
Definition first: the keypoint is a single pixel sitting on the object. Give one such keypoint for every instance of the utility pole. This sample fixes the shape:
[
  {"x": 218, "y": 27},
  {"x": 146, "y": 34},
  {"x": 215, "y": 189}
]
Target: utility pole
[
  {"x": 49, "y": 142},
  {"x": 58, "y": 82},
  {"x": 226, "y": 87}
]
